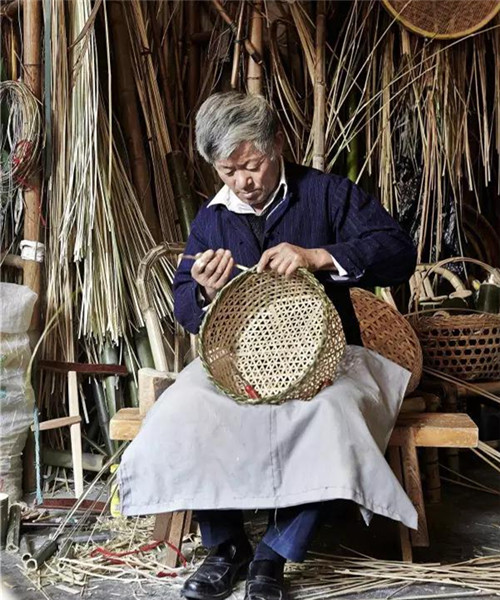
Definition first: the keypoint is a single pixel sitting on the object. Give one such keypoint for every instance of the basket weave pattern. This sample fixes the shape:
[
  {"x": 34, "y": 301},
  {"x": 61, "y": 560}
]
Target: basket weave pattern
[
  {"x": 282, "y": 337},
  {"x": 386, "y": 331},
  {"x": 466, "y": 346},
  {"x": 444, "y": 19}
]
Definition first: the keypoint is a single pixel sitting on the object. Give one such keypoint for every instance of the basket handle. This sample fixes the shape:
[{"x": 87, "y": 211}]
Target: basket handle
[{"x": 429, "y": 269}]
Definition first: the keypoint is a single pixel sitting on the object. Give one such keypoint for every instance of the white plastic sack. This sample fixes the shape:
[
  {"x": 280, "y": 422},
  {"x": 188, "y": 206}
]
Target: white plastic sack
[{"x": 16, "y": 395}]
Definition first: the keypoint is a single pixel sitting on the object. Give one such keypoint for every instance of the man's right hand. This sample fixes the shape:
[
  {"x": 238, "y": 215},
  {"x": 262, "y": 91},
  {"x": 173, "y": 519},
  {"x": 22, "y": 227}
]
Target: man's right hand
[{"x": 212, "y": 270}]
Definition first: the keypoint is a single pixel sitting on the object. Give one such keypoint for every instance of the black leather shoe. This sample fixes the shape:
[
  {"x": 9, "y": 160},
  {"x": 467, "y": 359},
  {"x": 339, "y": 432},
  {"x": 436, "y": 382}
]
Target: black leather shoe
[
  {"x": 219, "y": 572},
  {"x": 265, "y": 581}
]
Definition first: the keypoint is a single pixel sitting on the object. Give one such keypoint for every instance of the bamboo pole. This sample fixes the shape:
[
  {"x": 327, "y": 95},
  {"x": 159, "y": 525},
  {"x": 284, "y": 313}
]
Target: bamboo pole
[
  {"x": 32, "y": 272},
  {"x": 129, "y": 117},
  {"x": 193, "y": 24},
  {"x": 319, "y": 90},
  {"x": 237, "y": 49},
  {"x": 32, "y": 27},
  {"x": 254, "y": 75}
]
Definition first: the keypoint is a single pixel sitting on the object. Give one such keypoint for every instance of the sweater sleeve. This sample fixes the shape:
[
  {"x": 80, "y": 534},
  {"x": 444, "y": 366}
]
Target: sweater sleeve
[
  {"x": 370, "y": 246},
  {"x": 187, "y": 305}
]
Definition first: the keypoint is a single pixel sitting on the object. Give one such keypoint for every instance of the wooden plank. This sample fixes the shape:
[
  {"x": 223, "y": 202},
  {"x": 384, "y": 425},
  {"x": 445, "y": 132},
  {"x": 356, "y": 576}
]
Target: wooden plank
[
  {"x": 177, "y": 532},
  {"x": 125, "y": 424},
  {"x": 162, "y": 526},
  {"x": 413, "y": 487},
  {"x": 55, "y": 423},
  {"x": 437, "y": 430},
  {"x": 404, "y": 532},
  {"x": 432, "y": 480},
  {"x": 83, "y": 368},
  {"x": 151, "y": 384},
  {"x": 75, "y": 433},
  {"x": 415, "y": 404}
]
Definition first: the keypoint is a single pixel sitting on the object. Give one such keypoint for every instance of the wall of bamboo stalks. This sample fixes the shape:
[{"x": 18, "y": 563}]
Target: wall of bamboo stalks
[{"x": 416, "y": 121}]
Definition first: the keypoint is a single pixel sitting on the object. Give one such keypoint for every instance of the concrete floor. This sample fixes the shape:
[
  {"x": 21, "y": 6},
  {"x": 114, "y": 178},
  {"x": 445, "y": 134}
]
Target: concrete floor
[{"x": 466, "y": 524}]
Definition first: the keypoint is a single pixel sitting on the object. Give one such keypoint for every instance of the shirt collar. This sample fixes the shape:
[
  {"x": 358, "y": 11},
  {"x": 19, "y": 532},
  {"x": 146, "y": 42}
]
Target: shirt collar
[{"x": 231, "y": 201}]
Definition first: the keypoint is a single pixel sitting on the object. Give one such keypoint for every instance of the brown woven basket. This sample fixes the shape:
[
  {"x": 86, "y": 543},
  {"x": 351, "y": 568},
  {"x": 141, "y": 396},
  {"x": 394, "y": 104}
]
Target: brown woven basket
[
  {"x": 464, "y": 345},
  {"x": 268, "y": 339},
  {"x": 443, "y": 19},
  {"x": 386, "y": 331}
]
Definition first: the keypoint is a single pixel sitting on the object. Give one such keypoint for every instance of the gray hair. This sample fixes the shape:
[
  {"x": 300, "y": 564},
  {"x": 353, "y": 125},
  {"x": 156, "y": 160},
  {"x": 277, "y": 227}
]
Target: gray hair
[{"x": 225, "y": 120}]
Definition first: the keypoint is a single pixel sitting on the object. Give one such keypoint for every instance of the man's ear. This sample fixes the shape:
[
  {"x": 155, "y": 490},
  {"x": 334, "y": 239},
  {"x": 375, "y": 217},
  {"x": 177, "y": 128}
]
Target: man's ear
[{"x": 279, "y": 142}]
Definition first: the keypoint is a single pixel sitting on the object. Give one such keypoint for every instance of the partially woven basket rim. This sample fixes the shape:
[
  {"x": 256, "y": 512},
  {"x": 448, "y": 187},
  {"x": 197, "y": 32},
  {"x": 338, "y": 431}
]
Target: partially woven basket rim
[
  {"x": 282, "y": 396},
  {"x": 456, "y": 321}
]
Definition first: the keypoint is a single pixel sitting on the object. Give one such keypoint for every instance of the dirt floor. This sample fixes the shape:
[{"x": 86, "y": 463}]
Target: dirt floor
[{"x": 466, "y": 524}]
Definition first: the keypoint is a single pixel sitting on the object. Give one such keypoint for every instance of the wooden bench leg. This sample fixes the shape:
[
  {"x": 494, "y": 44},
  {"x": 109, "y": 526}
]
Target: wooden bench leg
[
  {"x": 171, "y": 528},
  {"x": 413, "y": 487},
  {"x": 162, "y": 527},
  {"x": 404, "y": 533},
  {"x": 432, "y": 479}
]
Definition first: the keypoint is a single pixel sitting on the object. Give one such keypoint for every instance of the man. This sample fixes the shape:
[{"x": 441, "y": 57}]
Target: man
[{"x": 200, "y": 450}]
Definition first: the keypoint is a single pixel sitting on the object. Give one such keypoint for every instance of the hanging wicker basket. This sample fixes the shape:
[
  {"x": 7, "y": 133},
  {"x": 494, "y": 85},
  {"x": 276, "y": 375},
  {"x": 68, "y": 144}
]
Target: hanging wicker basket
[
  {"x": 464, "y": 345},
  {"x": 386, "y": 331},
  {"x": 443, "y": 19},
  {"x": 268, "y": 339}
]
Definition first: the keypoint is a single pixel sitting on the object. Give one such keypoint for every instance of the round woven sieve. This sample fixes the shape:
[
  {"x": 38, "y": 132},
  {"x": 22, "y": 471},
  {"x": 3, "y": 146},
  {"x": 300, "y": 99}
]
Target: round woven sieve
[
  {"x": 443, "y": 19},
  {"x": 268, "y": 339}
]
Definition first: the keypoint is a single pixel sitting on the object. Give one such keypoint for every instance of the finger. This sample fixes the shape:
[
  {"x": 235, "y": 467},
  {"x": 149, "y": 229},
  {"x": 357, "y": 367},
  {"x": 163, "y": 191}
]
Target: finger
[
  {"x": 291, "y": 269},
  {"x": 220, "y": 269},
  {"x": 284, "y": 266},
  {"x": 226, "y": 275},
  {"x": 200, "y": 263},
  {"x": 266, "y": 258},
  {"x": 213, "y": 265}
]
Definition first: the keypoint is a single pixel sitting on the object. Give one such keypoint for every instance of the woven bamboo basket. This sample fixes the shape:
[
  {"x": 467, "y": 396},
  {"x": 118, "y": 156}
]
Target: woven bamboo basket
[
  {"x": 268, "y": 339},
  {"x": 443, "y": 19},
  {"x": 386, "y": 331},
  {"x": 464, "y": 345}
]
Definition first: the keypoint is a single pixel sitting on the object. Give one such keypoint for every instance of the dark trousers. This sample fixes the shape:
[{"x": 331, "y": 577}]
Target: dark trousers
[{"x": 289, "y": 533}]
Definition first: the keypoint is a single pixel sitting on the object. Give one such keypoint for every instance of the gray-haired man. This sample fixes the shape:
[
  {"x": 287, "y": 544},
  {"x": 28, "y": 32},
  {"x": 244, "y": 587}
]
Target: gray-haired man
[{"x": 200, "y": 450}]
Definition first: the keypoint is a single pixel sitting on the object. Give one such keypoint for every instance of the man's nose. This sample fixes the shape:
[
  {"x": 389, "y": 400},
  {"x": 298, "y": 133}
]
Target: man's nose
[{"x": 243, "y": 181}]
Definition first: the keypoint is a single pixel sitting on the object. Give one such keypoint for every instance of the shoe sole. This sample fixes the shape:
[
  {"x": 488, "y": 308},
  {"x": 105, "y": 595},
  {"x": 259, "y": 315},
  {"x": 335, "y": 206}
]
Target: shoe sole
[{"x": 241, "y": 574}]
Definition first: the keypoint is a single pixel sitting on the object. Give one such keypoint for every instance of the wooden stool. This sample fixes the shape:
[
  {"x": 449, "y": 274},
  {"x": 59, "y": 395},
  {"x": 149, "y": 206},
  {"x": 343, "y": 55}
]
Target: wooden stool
[{"x": 427, "y": 430}]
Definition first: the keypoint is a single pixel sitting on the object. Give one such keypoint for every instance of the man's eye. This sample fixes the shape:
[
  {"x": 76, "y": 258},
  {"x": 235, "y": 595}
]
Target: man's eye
[{"x": 229, "y": 173}]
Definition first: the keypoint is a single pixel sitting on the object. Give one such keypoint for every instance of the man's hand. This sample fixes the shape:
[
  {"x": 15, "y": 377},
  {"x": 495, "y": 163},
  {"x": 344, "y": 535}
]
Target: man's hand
[
  {"x": 212, "y": 271},
  {"x": 285, "y": 259}
]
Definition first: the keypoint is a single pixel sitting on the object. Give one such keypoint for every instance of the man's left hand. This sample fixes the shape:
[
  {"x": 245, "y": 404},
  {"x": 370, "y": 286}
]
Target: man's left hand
[{"x": 286, "y": 258}]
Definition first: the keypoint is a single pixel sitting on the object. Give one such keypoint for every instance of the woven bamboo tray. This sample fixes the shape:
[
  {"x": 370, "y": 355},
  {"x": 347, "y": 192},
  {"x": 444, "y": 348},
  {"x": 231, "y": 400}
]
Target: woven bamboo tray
[
  {"x": 386, "y": 331},
  {"x": 443, "y": 19},
  {"x": 268, "y": 339},
  {"x": 464, "y": 345}
]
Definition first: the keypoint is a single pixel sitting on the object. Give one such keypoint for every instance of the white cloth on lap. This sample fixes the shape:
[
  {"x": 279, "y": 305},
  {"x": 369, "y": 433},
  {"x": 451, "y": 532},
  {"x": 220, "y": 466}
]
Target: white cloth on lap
[{"x": 198, "y": 449}]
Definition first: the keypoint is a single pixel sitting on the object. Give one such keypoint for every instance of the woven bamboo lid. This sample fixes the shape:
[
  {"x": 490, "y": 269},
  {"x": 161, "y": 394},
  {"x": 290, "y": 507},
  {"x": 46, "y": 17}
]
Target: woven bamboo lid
[
  {"x": 268, "y": 339},
  {"x": 443, "y": 19}
]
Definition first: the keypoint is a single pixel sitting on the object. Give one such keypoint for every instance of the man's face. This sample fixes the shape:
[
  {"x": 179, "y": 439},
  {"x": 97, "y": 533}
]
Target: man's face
[{"x": 251, "y": 175}]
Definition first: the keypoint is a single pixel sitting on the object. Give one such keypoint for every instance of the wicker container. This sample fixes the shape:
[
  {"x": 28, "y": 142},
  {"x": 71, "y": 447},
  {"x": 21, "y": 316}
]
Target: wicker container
[
  {"x": 386, "y": 331},
  {"x": 443, "y": 19},
  {"x": 466, "y": 346},
  {"x": 268, "y": 339}
]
